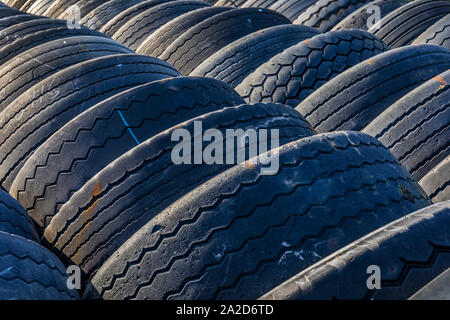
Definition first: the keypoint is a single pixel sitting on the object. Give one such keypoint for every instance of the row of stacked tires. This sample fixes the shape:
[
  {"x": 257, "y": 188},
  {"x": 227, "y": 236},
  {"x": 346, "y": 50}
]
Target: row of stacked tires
[{"x": 87, "y": 116}]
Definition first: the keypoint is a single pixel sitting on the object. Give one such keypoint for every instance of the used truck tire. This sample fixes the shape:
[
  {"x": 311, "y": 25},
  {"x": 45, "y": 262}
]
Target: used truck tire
[
  {"x": 256, "y": 231},
  {"x": 229, "y": 3},
  {"x": 13, "y": 20},
  {"x": 14, "y": 219},
  {"x": 298, "y": 71},
  {"x": 34, "y": 65},
  {"x": 137, "y": 29},
  {"x": 7, "y": 12},
  {"x": 291, "y": 9},
  {"x": 233, "y": 63},
  {"x": 357, "y": 96},
  {"x": 438, "y": 33},
  {"x": 147, "y": 180},
  {"x": 402, "y": 250},
  {"x": 201, "y": 41},
  {"x": 58, "y": 7},
  {"x": 325, "y": 14},
  {"x": 258, "y": 4},
  {"x": 44, "y": 108},
  {"x": 39, "y": 7},
  {"x": 31, "y": 272},
  {"x": 105, "y": 13},
  {"x": 436, "y": 289},
  {"x": 27, "y": 5},
  {"x": 402, "y": 26},
  {"x": 436, "y": 182},
  {"x": 14, "y": 3},
  {"x": 119, "y": 20},
  {"x": 84, "y": 7},
  {"x": 416, "y": 129},
  {"x": 158, "y": 41},
  {"x": 101, "y": 134},
  {"x": 360, "y": 18},
  {"x": 26, "y": 35}
]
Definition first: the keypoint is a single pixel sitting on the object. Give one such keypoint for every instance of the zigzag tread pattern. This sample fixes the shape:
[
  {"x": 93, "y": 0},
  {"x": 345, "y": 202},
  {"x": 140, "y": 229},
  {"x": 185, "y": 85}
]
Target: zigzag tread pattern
[
  {"x": 40, "y": 263},
  {"x": 85, "y": 260},
  {"x": 167, "y": 268},
  {"x": 174, "y": 233},
  {"x": 135, "y": 169},
  {"x": 408, "y": 268},
  {"x": 125, "y": 15},
  {"x": 29, "y": 133},
  {"x": 322, "y": 232},
  {"x": 109, "y": 117}
]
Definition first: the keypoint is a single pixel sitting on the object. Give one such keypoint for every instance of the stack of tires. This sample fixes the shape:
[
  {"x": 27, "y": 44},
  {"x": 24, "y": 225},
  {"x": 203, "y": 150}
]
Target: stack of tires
[{"x": 93, "y": 92}]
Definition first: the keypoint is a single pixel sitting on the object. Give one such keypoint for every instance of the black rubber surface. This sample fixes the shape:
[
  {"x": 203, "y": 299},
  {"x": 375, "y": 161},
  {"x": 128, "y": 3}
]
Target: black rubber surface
[
  {"x": 241, "y": 234},
  {"x": 291, "y": 8},
  {"x": 7, "y": 12},
  {"x": 357, "y": 96},
  {"x": 141, "y": 26},
  {"x": 158, "y": 41},
  {"x": 123, "y": 17},
  {"x": 438, "y": 33},
  {"x": 14, "y": 219},
  {"x": 229, "y": 3},
  {"x": 31, "y": 272},
  {"x": 34, "y": 65},
  {"x": 236, "y": 61},
  {"x": 105, "y": 13},
  {"x": 27, "y": 5},
  {"x": 360, "y": 18},
  {"x": 416, "y": 129},
  {"x": 27, "y": 35},
  {"x": 409, "y": 252},
  {"x": 402, "y": 26},
  {"x": 436, "y": 289},
  {"x": 258, "y": 3},
  {"x": 58, "y": 7},
  {"x": 85, "y": 7},
  {"x": 325, "y": 14},
  {"x": 44, "y": 108},
  {"x": 39, "y": 7},
  {"x": 13, "y": 20},
  {"x": 436, "y": 182},
  {"x": 91, "y": 141},
  {"x": 298, "y": 71},
  {"x": 201, "y": 41},
  {"x": 15, "y": 3},
  {"x": 124, "y": 196}
]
